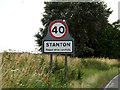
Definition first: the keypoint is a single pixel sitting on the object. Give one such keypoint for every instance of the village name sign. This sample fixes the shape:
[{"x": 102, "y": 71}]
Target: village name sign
[{"x": 58, "y": 39}]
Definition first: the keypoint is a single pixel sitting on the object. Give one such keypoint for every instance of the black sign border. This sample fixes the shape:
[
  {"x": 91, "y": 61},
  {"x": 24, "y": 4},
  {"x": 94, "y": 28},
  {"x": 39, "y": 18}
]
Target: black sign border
[{"x": 58, "y": 52}]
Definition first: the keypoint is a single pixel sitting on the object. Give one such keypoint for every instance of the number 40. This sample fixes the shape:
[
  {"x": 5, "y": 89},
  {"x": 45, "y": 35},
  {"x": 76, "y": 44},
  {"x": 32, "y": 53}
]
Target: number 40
[{"x": 60, "y": 29}]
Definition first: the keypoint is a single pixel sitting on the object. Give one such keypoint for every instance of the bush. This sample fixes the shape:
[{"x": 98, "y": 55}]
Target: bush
[{"x": 109, "y": 43}]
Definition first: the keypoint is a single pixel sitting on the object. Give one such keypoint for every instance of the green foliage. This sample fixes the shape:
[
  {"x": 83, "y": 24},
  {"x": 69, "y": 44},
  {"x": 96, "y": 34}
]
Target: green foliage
[
  {"x": 86, "y": 21},
  {"x": 109, "y": 42},
  {"x": 56, "y": 64},
  {"x": 42, "y": 61},
  {"x": 58, "y": 81},
  {"x": 75, "y": 74},
  {"x": 34, "y": 75},
  {"x": 116, "y": 65},
  {"x": 80, "y": 74},
  {"x": 101, "y": 77},
  {"x": 95, "y": 64}
]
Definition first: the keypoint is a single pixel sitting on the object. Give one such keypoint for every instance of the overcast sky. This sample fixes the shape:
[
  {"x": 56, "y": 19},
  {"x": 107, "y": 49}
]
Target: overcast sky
[{"x": 20, "y": 21}]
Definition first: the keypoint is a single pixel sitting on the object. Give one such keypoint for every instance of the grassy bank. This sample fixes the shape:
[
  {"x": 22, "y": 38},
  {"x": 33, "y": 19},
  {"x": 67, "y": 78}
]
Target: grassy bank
[
  {"x": 97, "y": 79},
  {"x": 33, "y": 71}
]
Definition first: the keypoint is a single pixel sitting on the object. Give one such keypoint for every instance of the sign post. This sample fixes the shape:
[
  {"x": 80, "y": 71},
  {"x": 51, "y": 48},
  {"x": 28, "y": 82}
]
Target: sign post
[
  {"x": 51, "y": 62},
  {"x": 58, "y": 41},
  {"x": 65, "y": 66}
]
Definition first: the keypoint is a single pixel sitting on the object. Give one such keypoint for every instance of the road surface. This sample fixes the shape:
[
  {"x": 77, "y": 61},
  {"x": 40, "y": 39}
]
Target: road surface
[{"x": 114, "y": 83}]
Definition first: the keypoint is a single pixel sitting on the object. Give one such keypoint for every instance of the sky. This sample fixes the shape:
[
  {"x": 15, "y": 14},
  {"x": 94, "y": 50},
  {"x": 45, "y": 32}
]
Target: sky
[{"x": 20, "y": 21}]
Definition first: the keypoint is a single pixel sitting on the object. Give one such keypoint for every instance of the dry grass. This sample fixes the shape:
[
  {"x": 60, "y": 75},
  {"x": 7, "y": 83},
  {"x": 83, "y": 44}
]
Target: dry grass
[
  {"x": 24, "y": 70},
  {"x": 0, "y": 71},
  {"x": 16, "y": 66}
]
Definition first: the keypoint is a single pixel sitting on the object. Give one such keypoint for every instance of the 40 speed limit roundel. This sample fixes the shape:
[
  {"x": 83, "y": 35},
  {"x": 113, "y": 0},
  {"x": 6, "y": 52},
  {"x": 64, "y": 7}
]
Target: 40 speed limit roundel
[{"x": 58, "y": 29}]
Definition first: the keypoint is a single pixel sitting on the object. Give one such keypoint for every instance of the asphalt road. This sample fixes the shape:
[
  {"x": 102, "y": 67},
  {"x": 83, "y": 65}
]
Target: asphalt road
[{"x": 114, "y": 83}]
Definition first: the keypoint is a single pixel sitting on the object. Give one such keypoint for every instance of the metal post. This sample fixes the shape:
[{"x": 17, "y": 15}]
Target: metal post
[
  {"x": 66, "y": 66},
  {"x": 51, "y": 62}
]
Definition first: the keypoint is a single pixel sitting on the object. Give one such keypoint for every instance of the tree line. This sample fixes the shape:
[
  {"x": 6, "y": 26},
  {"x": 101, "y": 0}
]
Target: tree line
[{"x": 88, "y": 25}]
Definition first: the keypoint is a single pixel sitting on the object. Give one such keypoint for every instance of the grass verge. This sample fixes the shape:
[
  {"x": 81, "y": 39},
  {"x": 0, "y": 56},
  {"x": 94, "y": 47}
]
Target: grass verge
[{"x": 25, "y": 70}]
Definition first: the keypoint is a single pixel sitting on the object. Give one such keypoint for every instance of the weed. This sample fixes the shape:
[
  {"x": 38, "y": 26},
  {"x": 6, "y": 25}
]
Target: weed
[{"x": 33, "y": 71}]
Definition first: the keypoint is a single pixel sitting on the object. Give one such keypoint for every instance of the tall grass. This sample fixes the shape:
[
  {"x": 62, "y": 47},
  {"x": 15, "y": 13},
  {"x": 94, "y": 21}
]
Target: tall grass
[
  {"x": 33, "y": 71},
  {"x": 98, "y": 78},
  {"x": 0, "y": 71}
]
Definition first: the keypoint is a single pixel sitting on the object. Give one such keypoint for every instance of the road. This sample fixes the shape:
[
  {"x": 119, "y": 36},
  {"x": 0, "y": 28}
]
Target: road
[{"x": 114, "y": 83}]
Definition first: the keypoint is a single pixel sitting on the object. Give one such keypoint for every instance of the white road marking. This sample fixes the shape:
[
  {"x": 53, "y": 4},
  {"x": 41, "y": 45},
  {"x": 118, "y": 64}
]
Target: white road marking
[{"x": 111, "y": 81}]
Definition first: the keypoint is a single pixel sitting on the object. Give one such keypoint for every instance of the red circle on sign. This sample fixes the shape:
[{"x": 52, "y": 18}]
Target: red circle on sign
[{"x": 52, "y": 25}]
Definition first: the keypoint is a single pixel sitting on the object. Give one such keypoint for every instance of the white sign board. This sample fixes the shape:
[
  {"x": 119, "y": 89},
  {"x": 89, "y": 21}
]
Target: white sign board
[
  {"x": 58, "y": 39},
  {"x": 58, "y": 46}
]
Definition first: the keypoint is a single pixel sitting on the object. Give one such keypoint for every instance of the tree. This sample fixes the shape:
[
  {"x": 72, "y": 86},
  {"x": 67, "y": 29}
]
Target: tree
[
  {"x": 109, "y": 42},
  {"x": 85, "y": 20}
]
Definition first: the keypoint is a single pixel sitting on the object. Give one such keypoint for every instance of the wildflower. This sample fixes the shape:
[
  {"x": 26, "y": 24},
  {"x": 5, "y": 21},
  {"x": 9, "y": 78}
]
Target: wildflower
[
  {"x": 34, "y": 74},
  {"x": 38, "y": 80},
  {"x": 38, "y": 74},
  {"x": 15, "y": 70},
  {"x": 23, "y": 69},
  {"x": 21, "y": 84}
]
